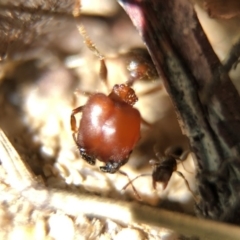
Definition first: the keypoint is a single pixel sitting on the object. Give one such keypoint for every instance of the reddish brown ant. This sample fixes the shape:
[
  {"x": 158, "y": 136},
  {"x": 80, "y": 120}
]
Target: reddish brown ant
[
  {"x": 163, "y": 168},
  {"x": 110, "y": 126}
]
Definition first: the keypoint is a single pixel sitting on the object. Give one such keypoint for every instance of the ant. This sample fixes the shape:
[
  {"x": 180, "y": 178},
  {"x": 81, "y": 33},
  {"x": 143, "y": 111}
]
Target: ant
[
  {"x": 163, "y": 168},
  {"x": 109, "y": 128}
]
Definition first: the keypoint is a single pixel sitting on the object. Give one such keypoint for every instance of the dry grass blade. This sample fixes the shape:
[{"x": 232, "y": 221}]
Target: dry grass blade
[{"x": 20, "y": 175}]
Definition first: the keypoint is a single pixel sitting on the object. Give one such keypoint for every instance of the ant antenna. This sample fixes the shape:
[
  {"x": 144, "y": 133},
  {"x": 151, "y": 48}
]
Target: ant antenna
[
  {"x": 76, "y": 13},
  {"x": 130, "y": 183},
  {"x": 89, "y": 43},
  {"x": 91, "y": 46},
  {"x": 76, "y": 10}
]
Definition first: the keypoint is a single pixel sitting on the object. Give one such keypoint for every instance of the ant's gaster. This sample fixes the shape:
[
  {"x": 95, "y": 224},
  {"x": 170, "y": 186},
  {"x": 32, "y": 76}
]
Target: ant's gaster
[
  {"x": 109, "y": 128},
  {"x": 139, "y": 65}
]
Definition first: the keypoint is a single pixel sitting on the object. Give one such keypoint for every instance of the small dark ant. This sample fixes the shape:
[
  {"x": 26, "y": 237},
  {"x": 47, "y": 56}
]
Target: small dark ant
[
  {"x": 163, "y": 168},
  {"x": 110, "y": 126}
]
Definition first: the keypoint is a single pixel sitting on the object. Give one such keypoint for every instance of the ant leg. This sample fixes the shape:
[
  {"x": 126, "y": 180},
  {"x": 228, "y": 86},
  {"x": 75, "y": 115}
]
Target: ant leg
[
  {"x": 187, "y": 185},
  {"x": 113, "y": 167},
  {"x": 74, "y": 138},
  {"x": 74, "y": 123},
  {"x": 73, "y": 119},
  {"x": 154, "y": 163},
  {"x": 130, "y": 183},
  {"x": 183, "y": 157},
  {"x": 85, "y": 156}
]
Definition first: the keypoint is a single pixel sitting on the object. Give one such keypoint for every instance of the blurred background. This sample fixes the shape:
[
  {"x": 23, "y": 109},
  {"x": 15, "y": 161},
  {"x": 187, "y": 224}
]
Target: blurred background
[{"x": 44, "y": 70}]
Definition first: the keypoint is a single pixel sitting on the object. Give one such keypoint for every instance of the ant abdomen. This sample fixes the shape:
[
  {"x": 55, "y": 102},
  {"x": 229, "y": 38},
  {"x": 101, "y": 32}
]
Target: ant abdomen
[{"x": 138, "y": 65}]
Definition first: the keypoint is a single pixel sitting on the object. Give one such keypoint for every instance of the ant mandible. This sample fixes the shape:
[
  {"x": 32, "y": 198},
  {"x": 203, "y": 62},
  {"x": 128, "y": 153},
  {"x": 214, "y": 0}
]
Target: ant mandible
[
  {"x": 109, "y": 127},
  {"x": 163, "y": 168}
]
